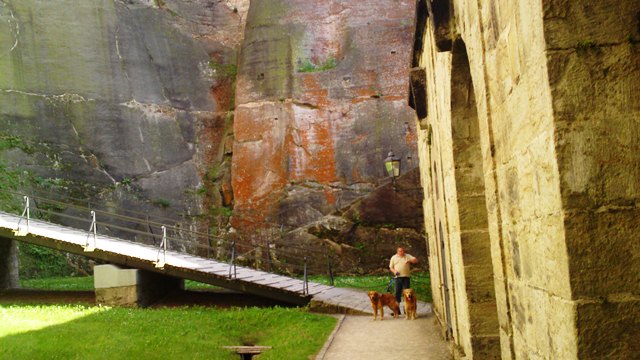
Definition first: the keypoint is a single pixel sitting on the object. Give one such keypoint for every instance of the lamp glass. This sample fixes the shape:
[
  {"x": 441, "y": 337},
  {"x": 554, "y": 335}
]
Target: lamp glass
[
  {"x": 396, "y": 168},
  {"x": 392, "y": 165}
]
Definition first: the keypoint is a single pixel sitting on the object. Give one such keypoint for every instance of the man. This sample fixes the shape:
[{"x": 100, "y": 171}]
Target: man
[{"x": 400, "y": 266}]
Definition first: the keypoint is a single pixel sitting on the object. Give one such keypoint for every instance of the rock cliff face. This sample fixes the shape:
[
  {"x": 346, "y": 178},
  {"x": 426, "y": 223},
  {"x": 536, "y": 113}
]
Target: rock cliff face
[
  {"x": 124, "y": 102},
  {"x": 281, "y": 110},
  {"x": 321, "y": 99}
]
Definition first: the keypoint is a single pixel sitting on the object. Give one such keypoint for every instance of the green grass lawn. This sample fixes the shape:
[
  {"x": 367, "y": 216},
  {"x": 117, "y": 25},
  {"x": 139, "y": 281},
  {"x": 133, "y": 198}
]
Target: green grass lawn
[
  {"x": 419, "y": 281},
  {"x": 85, "y": 283},
  {"x": 90, "y": 332}
]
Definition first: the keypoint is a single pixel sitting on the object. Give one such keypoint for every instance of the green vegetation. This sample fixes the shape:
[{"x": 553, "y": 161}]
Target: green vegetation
[
  {"x": 224, "y": 70},
  {"x": 10, "y": 180},
  {"x": 34, "y": 260},
  {"x": 41, "y": 262},
  {"x": 194, "y": 285},
  {"x": 213, "y": 173},
  {"x": 126, "y": 181},
  {"x": 308, "y": 66},
  {"x": 85, "y": 283},
  {"x": 80, "y": 332},
  {"x": 13, "y": 142},
  {"x": 221, "y": 211},
  {"x": 81, "y": 283},
  {"x": 420, "y": 282},
  {"x": 163, "y": 203}
]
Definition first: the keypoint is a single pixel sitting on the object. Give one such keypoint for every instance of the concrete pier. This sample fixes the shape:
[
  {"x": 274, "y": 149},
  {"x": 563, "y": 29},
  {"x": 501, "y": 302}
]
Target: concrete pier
[{"x": 116, "y": 286}]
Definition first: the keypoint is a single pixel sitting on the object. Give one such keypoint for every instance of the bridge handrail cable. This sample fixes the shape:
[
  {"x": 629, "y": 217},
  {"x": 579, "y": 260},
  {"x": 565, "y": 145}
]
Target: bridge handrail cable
[{"x": 286, "y": 255}]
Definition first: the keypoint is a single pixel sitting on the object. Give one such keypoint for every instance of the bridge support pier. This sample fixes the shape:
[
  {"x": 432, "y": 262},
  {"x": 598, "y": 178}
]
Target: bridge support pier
[
  {"x": 9, "y": 276},
  {"x": 116, "y": 286}
]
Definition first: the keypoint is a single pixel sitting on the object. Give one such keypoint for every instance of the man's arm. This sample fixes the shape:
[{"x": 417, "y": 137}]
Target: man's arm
[
  {"x": 413, "y": 260},
  {"x": 393, "y": 271}
]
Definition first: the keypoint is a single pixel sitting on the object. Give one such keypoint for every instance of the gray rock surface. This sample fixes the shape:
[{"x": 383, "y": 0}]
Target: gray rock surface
[{"x": 108, "y": 92}]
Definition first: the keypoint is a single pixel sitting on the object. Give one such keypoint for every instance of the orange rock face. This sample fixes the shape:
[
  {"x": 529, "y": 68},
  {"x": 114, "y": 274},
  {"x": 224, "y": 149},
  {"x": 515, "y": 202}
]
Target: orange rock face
[{"x": 320, "y": 100}]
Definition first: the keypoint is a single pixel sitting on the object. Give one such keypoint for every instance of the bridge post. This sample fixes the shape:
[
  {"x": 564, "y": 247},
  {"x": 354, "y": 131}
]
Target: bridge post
[
  {"x": 330, "y": 270},
  {"x": 9, "y": 276}
]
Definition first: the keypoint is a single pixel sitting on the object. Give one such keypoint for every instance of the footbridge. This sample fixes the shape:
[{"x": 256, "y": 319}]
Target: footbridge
[{"x": 145, "y": 243}]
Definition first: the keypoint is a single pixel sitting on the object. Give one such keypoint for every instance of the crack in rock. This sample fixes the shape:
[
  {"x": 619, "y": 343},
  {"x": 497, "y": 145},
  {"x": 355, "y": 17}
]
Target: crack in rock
[
  {"x": 74, "y": 98},
  {"x": 14, "y": 25}
]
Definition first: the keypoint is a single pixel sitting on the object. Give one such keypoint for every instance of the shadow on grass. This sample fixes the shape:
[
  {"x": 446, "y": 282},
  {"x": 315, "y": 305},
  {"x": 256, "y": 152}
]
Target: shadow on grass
[
  {"x": 209, "y": 298},
  {"x": 83, "y": 332}
]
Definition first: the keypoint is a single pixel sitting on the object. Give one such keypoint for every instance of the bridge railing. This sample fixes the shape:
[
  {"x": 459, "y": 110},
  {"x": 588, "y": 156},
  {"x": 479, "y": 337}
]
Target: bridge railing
[{"x": 262, "y": 249}]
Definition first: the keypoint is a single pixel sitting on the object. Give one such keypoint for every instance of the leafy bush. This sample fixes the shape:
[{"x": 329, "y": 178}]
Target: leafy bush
[
  {"x": 14, "y": 142},
  {"x": 35, "y": 261},
  {"x": 40, "y": 262},
  {"x": 9, "y": 181}
]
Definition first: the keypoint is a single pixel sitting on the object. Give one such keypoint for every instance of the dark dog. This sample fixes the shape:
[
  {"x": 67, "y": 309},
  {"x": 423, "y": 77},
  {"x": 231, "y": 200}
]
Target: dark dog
[
  {"x": 410, "y": 303},
  {"x": 379, "y": 301}
]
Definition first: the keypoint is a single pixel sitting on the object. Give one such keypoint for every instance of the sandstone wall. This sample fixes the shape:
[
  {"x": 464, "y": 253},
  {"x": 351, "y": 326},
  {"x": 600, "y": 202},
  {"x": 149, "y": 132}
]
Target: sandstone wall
[
  {"x": 555, "y": 88},
  {"x": 593, "y": 55},
  {"x": 134, "y": 104},
  {"x": 122, "y": 102},
  {"x": 320, "y": 101}
]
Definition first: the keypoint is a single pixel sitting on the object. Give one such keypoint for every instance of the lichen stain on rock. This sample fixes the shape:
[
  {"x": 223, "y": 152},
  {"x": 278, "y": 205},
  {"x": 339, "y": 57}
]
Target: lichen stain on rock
[{"x": 336, "y": 120}]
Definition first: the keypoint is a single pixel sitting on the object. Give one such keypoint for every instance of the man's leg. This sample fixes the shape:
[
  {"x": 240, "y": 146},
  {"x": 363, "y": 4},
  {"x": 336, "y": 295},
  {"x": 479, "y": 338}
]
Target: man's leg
[{"x": 399, "y": 284}]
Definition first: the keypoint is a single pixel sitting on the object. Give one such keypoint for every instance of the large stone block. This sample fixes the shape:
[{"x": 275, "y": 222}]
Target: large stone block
[
  {"x": 476, "y": 247},
  {"x": 479, "y": 283},
  {"x": 603, "y": 252},
  {"x": 609, "y": 329},
  {"x": 567, "y": 23},
  {"x": 551, "y": 336},
  {"x": 486, "y": 347},
  {"x": 473, "y": 212},
  {"x": 483, "y": 318},
  {"x": 116, "y": 286}
]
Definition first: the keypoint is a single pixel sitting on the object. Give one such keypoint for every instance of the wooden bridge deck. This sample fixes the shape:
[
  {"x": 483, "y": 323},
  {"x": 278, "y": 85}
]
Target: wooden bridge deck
[{"x": 141, "y": 256}]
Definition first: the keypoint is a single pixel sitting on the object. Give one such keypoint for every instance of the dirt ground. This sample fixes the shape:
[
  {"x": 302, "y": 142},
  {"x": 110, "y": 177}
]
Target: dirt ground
[{"x": 359, "y": 337}]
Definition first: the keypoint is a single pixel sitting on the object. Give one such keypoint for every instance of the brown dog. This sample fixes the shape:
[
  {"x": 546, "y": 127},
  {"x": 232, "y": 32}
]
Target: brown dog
[
  {"x": 410, "y": 303},
  {"x": 379, "y": 301}
]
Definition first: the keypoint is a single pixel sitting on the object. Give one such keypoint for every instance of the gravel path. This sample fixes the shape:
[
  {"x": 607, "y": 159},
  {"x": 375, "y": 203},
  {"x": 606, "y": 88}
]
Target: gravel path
[{"x": 359, "y": 337}]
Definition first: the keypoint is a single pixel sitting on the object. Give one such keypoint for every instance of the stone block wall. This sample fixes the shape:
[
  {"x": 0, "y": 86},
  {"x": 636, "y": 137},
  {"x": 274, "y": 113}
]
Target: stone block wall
[
  {"x": 593, "y": 52},
  {"x": 555, "y": 88}
]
